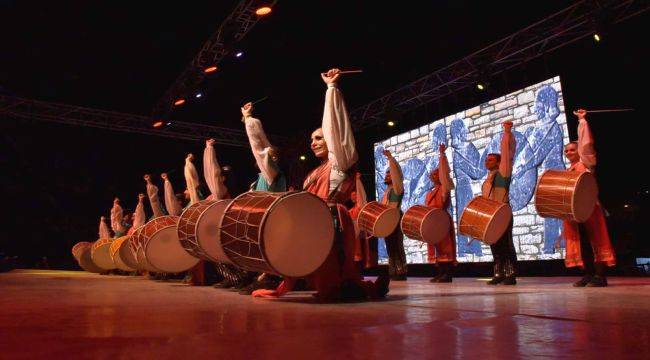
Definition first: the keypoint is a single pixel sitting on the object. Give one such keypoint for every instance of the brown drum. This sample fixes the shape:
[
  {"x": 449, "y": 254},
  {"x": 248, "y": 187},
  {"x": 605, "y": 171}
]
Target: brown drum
[
  {"x": 377, "y": 219},
  {"x": 160, "y": 246},
  {"x": 426, "y": 224},
  {"x": 118, "y": 249},
  {"x": 485, "y": 220},
  {"x": 86, "y": 261},
  {"x": 289, "y": 234},
  {"x": 567, "y": 195},
  {"x": 101, "y": 255},
  {"x": 78, "y": 248},
  {"x": 198, "y": 230},
  {"x": 135, "y": 245}
]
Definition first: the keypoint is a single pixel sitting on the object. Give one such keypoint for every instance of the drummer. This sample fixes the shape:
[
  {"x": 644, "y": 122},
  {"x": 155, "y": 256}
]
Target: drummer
[
  {"x": 443, "y": 253},
  {"x": 154, "y": 200},
  {"x": 104, "y": 232},
  {"x": 138, "y": 215},
  {"x": 333, "y": 181},
  {"x": 270, "y": 178},
  {"x": 117, "y": 218},
  {"x": 497, "y": 187},
  {"x": 587, "y": 244},
  {"x": 393, "y": 195}
]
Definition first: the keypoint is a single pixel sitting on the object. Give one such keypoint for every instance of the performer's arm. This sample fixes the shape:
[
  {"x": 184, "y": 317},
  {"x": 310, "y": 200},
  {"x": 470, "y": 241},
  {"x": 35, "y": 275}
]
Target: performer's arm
[
  {"x": 260, "y": 145},
  {"x": 172, "y": 206},
  {"x": 212, "y": 171},
  {"x": 507, "y": 150},
  {"x": 586, "y": 148},
  {"x": 191, "y": 179},
  {"x": 337, "y": 129},
  {"x": 444, "y": 172},
  {"x": 395, "y": 173},
  {"x": 139, "y": 215}
]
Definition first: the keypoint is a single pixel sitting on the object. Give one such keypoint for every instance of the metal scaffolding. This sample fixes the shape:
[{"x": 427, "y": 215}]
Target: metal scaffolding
[{"x": 562, "y": 28}]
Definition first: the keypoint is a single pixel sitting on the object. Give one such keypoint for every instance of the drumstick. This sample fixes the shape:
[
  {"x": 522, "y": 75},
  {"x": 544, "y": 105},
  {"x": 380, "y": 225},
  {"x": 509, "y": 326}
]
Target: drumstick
[
  {"x": 260, "y": 100},
  {"x": 347, "y": 72},
  {"x": 607, "y": 110}
]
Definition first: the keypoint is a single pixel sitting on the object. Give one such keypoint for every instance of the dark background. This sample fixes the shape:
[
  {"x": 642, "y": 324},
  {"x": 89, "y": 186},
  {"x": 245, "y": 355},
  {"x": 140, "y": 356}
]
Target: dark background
[{"x": 57, "y": 179}]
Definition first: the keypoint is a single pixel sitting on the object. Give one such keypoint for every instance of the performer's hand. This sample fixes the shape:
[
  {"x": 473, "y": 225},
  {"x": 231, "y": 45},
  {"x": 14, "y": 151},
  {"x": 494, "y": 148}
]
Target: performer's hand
[
  {"x": 580, "y": 113},
  {"x": 147, "y": 177},
  {"x": 116, "y": 200},
  {"x": 163, "y": 176},
  {"x": 331, "y": 76},
  {"x": 140, "y": 197},
  {"x": 507, "y": 126},
  {"x": 247, "y": 110},
  {"x": 103, "y": 218},
  {"x": 387, "y": 153},
  {"x": 210, "y": 142},
  {"x": 442, "y": 148},
  {"x": 190, "y": 157}
]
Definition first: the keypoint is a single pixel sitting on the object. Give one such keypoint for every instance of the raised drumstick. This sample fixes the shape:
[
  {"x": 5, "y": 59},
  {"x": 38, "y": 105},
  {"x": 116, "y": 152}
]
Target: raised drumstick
[
  {"x": 608, "y": 110},
  {"x": 348, "y": 72}
]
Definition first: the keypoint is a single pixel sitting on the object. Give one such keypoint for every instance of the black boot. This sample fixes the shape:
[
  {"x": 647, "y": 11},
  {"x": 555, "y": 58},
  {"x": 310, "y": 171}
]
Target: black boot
[
  {"x": 510, "y": 271},
  {"x": 498, "y": 273},
  {"x": 445, "y": 273},
  {"x": 599, "y": 280},
  {"x": 588, "y": 268},
  {"x": 438, "y": 275}
]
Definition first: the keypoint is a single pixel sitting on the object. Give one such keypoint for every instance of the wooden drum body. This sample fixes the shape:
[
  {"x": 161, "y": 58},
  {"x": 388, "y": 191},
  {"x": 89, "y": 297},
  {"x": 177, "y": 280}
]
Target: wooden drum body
[
  {"x": 485, "y": 220},
  {"x": 378, "y": 220},
  {"x": 567, "y": 195},
  {"x": 426, "y": 224}
]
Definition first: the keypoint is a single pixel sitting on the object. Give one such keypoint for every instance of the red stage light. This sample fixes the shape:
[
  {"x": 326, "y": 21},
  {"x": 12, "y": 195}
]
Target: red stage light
[{"x": 179, "y": 102}]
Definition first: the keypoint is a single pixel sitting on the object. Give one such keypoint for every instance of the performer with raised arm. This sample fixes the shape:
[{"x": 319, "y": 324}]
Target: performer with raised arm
[
  {"x": 497, "y": 187},
  {"x": 117, "y": 215},
  {"x": 104, "y": 232},
  {"x": 154, "y": 200},
  {"x": 139, "y": 217},
  {"x": 443, "y": 254},
  {"x": 587, "y": 244},
  {"x": 393, "y": 195},
  {"x": 171, "y": 202},
  {"x": 333, "y": 181}
]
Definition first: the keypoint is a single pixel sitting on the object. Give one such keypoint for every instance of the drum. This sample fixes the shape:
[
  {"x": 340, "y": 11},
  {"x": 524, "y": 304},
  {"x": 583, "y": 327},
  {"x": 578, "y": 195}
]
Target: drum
[
  {"x": 427, "y": 224},
  {"x": 86, "y": 261},
  {"x": 485, "y": 220},
  {"x": 117, "y": 251},
  {"x": 198, "y": 230},
  {"x": 377, "y": 219},
  {"x": 160, "y": 246},
  {"x": 78, "y": 248},
  {"x": 288, "y": 234},
  {"x": 101, "y": 254},
  {"x": 567, "y": 195}
]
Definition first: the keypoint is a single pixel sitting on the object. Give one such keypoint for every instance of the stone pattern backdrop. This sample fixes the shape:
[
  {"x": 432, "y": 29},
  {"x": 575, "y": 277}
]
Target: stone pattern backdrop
[{"x": 540, "y": 131}]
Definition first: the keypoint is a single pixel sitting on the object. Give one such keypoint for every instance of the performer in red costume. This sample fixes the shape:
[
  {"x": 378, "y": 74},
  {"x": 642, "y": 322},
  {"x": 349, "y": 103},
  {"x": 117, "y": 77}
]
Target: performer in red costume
[{"x": 587, "y": 244}]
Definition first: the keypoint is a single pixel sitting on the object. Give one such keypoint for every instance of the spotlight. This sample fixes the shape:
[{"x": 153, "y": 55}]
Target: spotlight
[
  {"x": 158, "y": 123},
  {"x": 390, "y": 123},
  {"x": 210, "y": 69},
  {"x": 263, "y": 10},
  {"x": 198, "y": 95},
  {"x": 480, "y": 86},
  {"x": 239, "y": 54},
  {"x": 596, "y": 37},
  {"x": 179, "y": 102},
  {"x": 303, "y": 158}
]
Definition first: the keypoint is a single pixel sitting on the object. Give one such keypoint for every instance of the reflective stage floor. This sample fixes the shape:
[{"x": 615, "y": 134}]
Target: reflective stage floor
[{"x": 64, "y": 314}]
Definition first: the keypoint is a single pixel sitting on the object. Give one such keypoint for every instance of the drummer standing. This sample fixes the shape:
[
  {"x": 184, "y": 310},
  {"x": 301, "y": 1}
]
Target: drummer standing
[
  {"x": 443, "y": 253},
  {"x": 497, "y": 187},
  {"x": 394, "y": 181},
  {"x": 587, "y": 244}
]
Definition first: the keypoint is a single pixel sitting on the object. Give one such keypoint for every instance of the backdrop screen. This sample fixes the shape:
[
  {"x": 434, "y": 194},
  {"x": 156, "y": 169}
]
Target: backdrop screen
[{"x": 540, "y": 130}]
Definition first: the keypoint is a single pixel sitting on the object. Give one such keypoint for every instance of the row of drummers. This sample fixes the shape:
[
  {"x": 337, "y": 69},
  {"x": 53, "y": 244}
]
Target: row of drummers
[{"x": 291, "y": 233}]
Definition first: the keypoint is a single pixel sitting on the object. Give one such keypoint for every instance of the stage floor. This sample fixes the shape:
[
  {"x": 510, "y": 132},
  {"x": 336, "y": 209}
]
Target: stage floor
[{"x": 64, "y": 314}]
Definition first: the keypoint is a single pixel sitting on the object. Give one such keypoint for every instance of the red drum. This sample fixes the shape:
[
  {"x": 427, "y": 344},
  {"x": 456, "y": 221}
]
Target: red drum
[
  {"x": 160, "y": 246},
  {"x": 377, "y": 219},
  {"x": 101, "y": 255},
  {"x": 86, "y": 261},
  {"x": 485, "y": 220},
  {"x": 78, "y": 248},
  {"x": 198, "y": 230},
  {"x": 567, "y": 195},
  {"x": 426, "y": 224},
  {"x": 288, "y": 234},
  {"x": 135, "y": 245},
  {"x": 119, "y": 250}
]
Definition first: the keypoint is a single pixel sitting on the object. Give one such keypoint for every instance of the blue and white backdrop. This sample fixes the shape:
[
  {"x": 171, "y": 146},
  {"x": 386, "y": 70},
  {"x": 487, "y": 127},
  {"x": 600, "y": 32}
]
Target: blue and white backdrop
[{"x": 541, "y": 132}]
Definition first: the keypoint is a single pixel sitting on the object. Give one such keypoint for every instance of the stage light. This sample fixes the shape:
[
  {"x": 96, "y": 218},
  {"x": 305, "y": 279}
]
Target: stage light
[
  {"x": 169, "y": 123},
  {"x": 263, "y": 10},
  {"x": 303, "y": 157},
  {"x": 158, "y": 124},
  {"x": 480, "y": 86},
  {"x": 210, "y": 69},
  {"x": 198, "y": 95},
  {"x": 239, "y": 54},
  {"x": 179, "y": 102},
  {"x": 390, "y": 123},
  {"x": 626, "y": 206},
  {"x": 596, "y": 37}
]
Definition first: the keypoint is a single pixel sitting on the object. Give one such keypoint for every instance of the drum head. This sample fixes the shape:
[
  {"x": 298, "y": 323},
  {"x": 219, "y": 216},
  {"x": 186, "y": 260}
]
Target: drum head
[
  {"x": 86, "y": 261},
  {"x": 165, "y": 252},
  {"x": 101, "y": 255},
  {"x": 115, "y": 253},
  {"x": 498, "y": 224},
  {"x": 435, "y": 226},
  {"x": 585, "y": 197},
  {"x": 298, "y": 234},
  {"x": 143, "y": 264},
  {"x": 386, "y": 222},
  {"x": 208, "y": 232},
  {"x": 126, "y": 255}
]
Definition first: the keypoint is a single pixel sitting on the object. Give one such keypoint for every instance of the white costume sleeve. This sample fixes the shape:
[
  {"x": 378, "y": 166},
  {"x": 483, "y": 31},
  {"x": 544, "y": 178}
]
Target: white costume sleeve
[
  {"x": 396, "y": 176},
  {"x": 337, "y": 130},
  {"x": 508, "y": 145},
  {"x": 192, "y": 181},
  {"x": 171, "y": 204},
  {"x": 117, "y": 214},
  {"x": 260, "y": 146},
  {"x": 212, "y": 173},
  {"x": 445, "y": 176},
  {"x": 139, "y": 216},
  {"x": 104, "y": 232},
  {"x": 154, "y": 200},
  {"x": 586, "y": 148}
]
